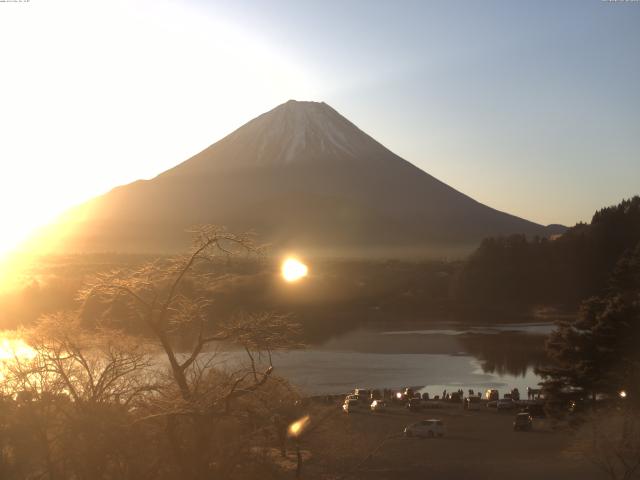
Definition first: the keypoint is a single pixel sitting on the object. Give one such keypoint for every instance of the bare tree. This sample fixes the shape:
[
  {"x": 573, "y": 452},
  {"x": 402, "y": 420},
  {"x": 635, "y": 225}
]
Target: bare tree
[
  {"x": 73, "y": 396},
  {"x": 198, "y": 402}
]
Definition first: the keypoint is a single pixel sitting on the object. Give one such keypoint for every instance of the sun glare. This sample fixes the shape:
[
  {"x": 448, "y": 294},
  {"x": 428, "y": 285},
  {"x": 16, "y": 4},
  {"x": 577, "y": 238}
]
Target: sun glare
[
  {"x": 293, "y": 270},
  {"x": 11, "y": 348},
  {"x": 232, "y": 71}
]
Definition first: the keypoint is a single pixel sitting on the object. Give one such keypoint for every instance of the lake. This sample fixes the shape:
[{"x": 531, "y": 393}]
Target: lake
[{"x": 435, "y": 357}]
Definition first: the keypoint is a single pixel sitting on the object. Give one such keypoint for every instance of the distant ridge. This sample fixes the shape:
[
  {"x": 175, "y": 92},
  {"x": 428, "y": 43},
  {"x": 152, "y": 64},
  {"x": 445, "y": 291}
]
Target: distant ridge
[{"x": 304, "y": 178}]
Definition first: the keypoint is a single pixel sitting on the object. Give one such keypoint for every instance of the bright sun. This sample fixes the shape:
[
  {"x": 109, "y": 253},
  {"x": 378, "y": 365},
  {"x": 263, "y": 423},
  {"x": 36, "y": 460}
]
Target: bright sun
[{"x": 293, "y": 269}]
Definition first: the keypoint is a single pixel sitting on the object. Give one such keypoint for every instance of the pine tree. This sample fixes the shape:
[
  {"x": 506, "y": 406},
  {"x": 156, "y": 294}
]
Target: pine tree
[{"x": 598, "y": 352}]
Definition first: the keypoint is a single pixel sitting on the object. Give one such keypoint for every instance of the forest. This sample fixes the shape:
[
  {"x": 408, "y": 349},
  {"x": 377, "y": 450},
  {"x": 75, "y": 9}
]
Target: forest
[
  {"x": 505, "y": 279},
  {"x": 563, "y": 271},
  {"x": 338, "y": 294}
]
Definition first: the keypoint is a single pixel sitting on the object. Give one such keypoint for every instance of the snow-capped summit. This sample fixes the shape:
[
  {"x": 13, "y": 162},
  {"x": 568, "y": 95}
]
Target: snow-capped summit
[
  {"x": 296, "y": 131},
  {"x": 299, "y": 127},
  {"x": 294, "y": 128}
]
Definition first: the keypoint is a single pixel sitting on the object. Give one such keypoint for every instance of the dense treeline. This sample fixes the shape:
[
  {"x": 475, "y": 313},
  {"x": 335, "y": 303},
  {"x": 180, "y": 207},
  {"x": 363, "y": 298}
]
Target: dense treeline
[
  {"x": 338, "y": 294},
  {"x": 520, "y": 272},
  {"x": 506, "y": 273}
]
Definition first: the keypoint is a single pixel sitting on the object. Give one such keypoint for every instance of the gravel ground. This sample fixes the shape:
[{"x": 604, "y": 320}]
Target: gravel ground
[{"x": 477, "y": 445}]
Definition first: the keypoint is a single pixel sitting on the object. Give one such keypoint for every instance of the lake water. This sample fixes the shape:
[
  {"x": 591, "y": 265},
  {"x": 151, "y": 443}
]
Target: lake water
[{"x": 437, "y": 357}]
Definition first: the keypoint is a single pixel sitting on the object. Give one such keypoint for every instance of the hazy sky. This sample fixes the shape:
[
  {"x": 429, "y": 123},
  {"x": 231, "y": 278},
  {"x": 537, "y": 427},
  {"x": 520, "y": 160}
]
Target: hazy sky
[{"x": 529, "y": 107}]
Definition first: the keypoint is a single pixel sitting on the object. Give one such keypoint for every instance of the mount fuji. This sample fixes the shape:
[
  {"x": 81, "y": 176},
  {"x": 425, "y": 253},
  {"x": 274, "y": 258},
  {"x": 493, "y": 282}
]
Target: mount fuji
[{"x": 305, "y": 179}]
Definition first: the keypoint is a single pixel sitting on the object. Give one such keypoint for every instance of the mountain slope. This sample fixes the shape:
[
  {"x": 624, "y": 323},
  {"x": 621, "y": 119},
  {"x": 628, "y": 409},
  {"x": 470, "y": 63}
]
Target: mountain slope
[{"x": 302, "y": 177}]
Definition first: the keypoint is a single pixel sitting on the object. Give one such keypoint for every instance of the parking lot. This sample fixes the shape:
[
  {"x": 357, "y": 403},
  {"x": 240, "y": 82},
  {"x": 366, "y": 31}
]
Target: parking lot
[{"x": 476, "y": 445}]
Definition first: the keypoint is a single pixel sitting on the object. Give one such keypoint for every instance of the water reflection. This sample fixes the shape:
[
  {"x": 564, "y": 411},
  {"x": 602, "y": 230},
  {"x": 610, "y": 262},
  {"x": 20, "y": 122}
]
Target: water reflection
[
  {"x": 436, "y": 358},
  {"x": 12, "y": 347},
  {"x": 505, "y": 350},
  {"x": 507, "y": 353}
]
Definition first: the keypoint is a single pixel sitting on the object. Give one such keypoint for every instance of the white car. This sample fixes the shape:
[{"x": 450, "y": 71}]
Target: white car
[
  {"x": 378, "y": 406},
  {"x": 351, "y": 405},
  {"x": 425, "y": 428}
]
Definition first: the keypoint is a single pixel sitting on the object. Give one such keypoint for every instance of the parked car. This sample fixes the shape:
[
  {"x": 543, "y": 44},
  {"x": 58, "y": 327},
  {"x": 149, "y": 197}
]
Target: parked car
[
  {"x": 350, "y": 406},
  {"x": 414, "y": 404},
  {"x": 378, "y": 406},
  {"x": 472, "y": 403},
  {"x": 492, "y": 395},
  {"x": 408, "y": 392},
  {"x": 515, "y": 394},
  {"x": 523, "y": 421},
  {"x": 425, "y": 428},
  {"x": 363, "y": 393}
]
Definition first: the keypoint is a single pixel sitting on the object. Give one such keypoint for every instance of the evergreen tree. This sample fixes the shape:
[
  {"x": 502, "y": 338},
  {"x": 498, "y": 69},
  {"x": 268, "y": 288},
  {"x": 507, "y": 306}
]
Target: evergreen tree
[
  {"x": 521, "y": 271},
  {"x": 598, "y": 352}
]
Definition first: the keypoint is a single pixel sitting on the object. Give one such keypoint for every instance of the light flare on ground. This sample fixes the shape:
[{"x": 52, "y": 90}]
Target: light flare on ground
[{"x": 297, "y": 427}]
